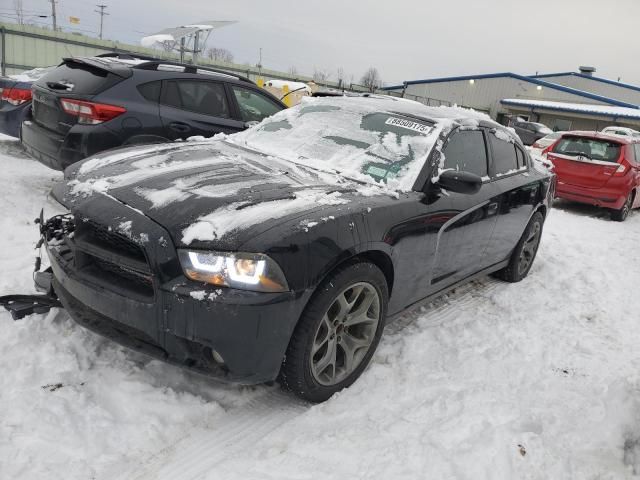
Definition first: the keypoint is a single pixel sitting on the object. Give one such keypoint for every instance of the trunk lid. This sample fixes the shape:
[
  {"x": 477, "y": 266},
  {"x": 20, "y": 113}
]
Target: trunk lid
[
  {"x": 585, "y": 162},
  {"x": 78, "y": 78}
]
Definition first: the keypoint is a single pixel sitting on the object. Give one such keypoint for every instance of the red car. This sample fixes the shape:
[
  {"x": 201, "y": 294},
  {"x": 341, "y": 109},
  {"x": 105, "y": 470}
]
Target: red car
[{"x": 598, "y": 169}]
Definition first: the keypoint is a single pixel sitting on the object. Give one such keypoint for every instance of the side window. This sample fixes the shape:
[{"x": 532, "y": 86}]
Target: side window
[
  {"x": 150, "y": 90},
  {"x": 636, "y": 148},
  {"x": 522, "y": 159},
  {"x": 207, "y": 98},
  {"x": 254, "y": 107},
  {"x": 466, "y": 151},
  {"x": 504, "y": 155}
]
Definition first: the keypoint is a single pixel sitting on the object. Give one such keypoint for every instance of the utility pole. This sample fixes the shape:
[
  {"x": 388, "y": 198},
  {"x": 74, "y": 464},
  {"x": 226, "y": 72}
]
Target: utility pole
[
  {"x": 53, "y": 14},
  {"x": 260, "y": 62},
  {"x": 102, "y": 14}
]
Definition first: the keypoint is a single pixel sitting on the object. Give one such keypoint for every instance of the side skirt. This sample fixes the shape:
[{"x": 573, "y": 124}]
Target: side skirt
[{"x": 439, "y": 293}]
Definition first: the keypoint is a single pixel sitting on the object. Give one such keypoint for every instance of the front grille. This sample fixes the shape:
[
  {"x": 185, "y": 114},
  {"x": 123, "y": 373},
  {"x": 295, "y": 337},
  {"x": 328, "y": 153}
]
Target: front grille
[
  {"x": 113, "y": 241},
  {"x": 114, "y": 259},
  {"x": 141, "y": 279}
]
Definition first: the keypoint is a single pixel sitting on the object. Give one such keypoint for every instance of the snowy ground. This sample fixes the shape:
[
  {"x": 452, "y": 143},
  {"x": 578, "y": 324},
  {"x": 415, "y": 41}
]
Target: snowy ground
[{"x": 536, "y": 380}]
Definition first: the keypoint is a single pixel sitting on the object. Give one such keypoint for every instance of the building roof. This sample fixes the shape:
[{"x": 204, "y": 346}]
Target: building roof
[
  {"x": 536, "y": 81},
  {"x": 589, "y": 77},
  {"x": 581, "y": 108}
]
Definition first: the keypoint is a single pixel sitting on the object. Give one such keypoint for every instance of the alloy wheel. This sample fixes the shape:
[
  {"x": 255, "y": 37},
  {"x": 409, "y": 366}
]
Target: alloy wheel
[
  {"x": 345, "y": 334},
  {"x": 529, "y": 248}
]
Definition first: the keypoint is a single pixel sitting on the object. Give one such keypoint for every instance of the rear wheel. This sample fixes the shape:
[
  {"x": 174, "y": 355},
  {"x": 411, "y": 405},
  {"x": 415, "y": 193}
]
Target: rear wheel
[
  {"x": 337, "y": 334},
  {"x": 622, "y": 214},
  {"x": 525, "y": 252}
]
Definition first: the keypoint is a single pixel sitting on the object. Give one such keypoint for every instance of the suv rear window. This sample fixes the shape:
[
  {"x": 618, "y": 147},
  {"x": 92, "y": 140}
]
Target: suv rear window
[
  {"x": 83, "y": 79},
  {"x": 592, "y": 148}
]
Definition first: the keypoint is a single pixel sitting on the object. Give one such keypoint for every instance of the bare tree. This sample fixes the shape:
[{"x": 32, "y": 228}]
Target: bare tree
[
  {"x": 371, "y": 79},
  {"x": 19, "y": 9},
  {"x": 320, "y": 76},
  {"x": 293, "y": 72},
  {"x": 219, "y": 55}
]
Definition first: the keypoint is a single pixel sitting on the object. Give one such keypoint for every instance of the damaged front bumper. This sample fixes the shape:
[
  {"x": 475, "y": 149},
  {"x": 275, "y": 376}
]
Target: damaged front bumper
[{"x": 134, "y": 292}]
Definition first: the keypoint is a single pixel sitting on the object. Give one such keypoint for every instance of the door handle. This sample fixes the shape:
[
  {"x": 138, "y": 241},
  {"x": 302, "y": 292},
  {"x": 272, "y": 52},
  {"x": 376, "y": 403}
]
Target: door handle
[
  {"x": 492, "y": 208},
  {"x": 179, "y": 127}
]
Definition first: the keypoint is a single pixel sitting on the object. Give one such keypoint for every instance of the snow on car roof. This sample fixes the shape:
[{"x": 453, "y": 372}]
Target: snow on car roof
[{"x": 31, "y": 75}]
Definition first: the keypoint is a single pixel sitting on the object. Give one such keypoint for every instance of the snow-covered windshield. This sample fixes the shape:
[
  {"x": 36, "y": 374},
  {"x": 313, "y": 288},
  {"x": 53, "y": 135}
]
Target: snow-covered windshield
[{"x": 355, "y": 139}]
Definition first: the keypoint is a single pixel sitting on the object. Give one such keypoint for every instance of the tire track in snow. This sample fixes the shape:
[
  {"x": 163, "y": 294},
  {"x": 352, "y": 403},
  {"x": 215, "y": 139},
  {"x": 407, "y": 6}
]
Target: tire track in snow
[{"x": 197, "y": 454}]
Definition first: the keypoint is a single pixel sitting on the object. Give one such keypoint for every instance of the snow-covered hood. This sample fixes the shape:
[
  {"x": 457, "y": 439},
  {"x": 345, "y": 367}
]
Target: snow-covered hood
[{"x": 207, "y": 193}]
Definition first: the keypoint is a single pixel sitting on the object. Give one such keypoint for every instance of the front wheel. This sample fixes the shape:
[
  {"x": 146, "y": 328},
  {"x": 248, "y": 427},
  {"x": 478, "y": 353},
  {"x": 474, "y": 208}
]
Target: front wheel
[
  {"x": 622, "y": 214},
  {"x": 525, "y": 252},
  {"x": 337, "y": 334}
]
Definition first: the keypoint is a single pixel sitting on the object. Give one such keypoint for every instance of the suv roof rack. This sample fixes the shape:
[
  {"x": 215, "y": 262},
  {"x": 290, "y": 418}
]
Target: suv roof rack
[
  {"x": 127, "y": 56},
  {"x": 188, "y": 68}
]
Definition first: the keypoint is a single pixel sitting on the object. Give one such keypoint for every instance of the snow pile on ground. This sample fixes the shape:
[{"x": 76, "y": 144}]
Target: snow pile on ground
[{"x": 536, "y": 380}]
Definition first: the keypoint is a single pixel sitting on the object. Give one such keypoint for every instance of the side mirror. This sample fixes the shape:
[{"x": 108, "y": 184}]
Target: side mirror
[{"x": 460, "y": 182}]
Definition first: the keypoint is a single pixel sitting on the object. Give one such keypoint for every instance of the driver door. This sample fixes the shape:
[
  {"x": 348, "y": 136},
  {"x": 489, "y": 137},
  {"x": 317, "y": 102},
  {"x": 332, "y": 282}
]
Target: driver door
[{"x": 462, "y": 241}]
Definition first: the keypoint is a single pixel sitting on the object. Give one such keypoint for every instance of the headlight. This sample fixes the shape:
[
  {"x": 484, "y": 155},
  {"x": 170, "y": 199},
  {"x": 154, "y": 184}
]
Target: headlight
[{"x": 248, "y": 271}]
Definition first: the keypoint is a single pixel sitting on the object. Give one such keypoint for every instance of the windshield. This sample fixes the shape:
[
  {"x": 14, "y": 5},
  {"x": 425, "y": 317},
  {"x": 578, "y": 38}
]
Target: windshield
[
  {"x": 353, "y": 139},
  {"x": 588, "y": 147}
]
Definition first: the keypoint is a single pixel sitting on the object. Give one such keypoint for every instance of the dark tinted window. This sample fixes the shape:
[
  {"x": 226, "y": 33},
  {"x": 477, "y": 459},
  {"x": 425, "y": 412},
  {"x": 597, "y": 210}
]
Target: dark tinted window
[
  {"x": 254, "y": 107},
  {"x": 83, "y": 79},
  {"x": 592, "y": 148},
  {"x": 207, "y": 98},
  {"x": 504, "y": 155},
  {"x": 150, "y": 91},
  {"x": 466, "y": 151},
  {"x": 521, "y": 158}
]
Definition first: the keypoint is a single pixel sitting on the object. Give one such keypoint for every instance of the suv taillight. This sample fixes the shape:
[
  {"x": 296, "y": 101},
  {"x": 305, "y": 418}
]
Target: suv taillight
[
  {"x": 16, "y": 96},
  {"x": 91, "y": 113}
]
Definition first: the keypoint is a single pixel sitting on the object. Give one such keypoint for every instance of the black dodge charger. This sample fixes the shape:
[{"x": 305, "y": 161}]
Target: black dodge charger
[{"x": 280, "y": 252}]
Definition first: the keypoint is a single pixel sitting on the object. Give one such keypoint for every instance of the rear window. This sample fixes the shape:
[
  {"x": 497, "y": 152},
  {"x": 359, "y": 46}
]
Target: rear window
[
  {"x": 505, "y": 160},
  {"x": 151, "y": 90},
  {"x": 80, "y": 79},
  {"x": 594, "y": 149}
]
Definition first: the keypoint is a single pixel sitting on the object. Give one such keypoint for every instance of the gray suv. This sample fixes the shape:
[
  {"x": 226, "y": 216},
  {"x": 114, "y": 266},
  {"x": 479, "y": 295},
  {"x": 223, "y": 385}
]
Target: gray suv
[
  {"x": 529, "y": 132},
  {"x": 90, "y": 104}
]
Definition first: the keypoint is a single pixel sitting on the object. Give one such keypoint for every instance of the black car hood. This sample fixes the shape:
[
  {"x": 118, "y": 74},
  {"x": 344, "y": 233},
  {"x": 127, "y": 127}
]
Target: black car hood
[{"x": 207, "y": 193}]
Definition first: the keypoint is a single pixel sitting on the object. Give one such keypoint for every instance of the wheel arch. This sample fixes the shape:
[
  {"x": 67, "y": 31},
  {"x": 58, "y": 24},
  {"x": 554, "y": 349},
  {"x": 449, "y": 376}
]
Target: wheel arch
[{"x": 378, "y": 257}]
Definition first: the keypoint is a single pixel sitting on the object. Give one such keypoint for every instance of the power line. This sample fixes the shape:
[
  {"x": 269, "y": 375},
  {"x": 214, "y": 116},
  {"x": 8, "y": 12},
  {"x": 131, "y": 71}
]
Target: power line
[{"x": 102, "y": 14}]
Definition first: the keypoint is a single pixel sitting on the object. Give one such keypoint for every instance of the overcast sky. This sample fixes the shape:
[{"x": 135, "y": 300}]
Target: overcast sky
[{"x": 405, "y": 40}]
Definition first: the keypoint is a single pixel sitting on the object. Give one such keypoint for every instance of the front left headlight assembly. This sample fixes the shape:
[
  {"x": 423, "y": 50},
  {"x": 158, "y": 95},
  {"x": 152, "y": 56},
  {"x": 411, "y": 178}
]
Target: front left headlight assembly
[{"x": 247, "y": 271}]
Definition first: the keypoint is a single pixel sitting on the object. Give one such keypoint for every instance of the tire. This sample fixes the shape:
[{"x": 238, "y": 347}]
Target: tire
[
  {"x": 622, "y": 214},
  {"x": 318, "y": 363},
  {"x": 525, "y": 252}
]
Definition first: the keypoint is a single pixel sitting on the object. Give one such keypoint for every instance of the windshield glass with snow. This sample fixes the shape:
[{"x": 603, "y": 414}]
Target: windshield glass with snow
[
  {"x": 591, "y": 148},
  {"x": 357, "y": 142}
]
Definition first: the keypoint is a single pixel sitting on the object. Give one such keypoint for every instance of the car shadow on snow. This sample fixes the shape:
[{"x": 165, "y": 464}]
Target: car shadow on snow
[
  {"x": 12, "y": 147},
  {"x": 582, "y": 209}
]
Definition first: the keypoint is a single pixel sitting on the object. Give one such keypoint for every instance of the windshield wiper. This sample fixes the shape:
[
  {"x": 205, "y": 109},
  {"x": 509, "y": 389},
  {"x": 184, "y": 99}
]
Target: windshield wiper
[{"x": 579, "y": 154}]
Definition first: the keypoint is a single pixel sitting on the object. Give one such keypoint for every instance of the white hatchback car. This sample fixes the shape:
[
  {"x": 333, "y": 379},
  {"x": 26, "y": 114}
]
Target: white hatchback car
[{"x": 621, "y": 131}]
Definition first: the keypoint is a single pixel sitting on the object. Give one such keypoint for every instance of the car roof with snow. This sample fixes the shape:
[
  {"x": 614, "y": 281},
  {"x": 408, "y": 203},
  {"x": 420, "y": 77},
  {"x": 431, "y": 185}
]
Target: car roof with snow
[
  {"x": 602, "y": 136},
  {"x": 403, "y": 106}
]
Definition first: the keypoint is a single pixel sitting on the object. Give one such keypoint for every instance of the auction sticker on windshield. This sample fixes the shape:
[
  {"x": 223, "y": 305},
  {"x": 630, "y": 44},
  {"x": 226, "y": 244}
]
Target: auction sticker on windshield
[{"x": 408, "y": 124}]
